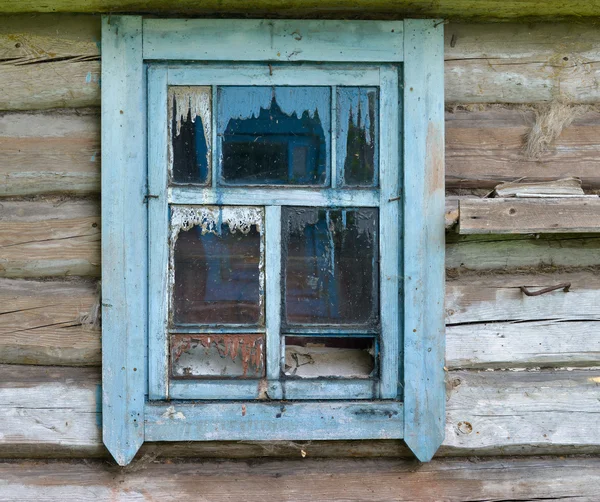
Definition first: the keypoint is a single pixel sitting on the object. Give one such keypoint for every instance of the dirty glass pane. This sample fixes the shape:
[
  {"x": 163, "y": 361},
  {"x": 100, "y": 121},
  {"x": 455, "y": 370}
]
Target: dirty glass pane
[
  {"x": 190, "y": 134},
  {"x": 239, "y": 356},
  {"x": 331, "y": 265},
  {"x": 342, "y": 357},
  {"x": 357, "y": 135},
  {"x": 218, "y": 269},
  {"x": 274, "y": 135}
]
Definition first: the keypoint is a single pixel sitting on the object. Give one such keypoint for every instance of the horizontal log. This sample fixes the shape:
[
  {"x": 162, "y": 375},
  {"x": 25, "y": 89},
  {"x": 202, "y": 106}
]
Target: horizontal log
[
  {"x": 49, "y": 323},
  {"x": 489, "y": 322},
  {"x": 59, "y": 151},
  {"x": 501, "y": 63},
  {"x": 451, "y": 480},
  {"x": 520, "y": 216},
  {"x": 41, "y": 239},
  {"x": 56, "y": 411},
  {"x": 507, "y": 252},
  {"x": 485, "y": 147},
  {"x": 480, "y": 9},
  {"x": 49, "y": 152}
]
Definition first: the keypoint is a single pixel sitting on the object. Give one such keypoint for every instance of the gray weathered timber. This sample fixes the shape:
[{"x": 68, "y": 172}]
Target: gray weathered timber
[
  {"x": 41, "y": 323},
  {"x": 506, "y": 252},
  {"x": 50, "y": 152},
  {"x": 49, "y": 238},
  {"x": 56, "y": 412},
  {"x": 500, "y": 63},
  {"x": 451, "y": 480},
  {"x": 529, "y": 215},
  {"x": 489, "y": 322},
  {"x": 485, "y": 147}
]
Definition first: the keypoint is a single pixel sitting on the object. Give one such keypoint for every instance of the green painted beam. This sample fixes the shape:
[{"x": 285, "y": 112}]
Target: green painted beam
[{"x": 450, "y": 9}]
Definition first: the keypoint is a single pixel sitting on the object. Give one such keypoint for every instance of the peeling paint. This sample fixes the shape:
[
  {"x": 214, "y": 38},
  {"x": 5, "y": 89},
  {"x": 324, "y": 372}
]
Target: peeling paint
[{"x": 172, "y": 414}]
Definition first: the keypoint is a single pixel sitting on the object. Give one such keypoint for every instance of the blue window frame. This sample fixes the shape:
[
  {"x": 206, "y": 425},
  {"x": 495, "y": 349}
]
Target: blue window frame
[{"x": 273, "y": 235}]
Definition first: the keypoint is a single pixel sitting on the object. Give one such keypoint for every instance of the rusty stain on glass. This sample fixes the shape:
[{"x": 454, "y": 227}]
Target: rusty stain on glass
[
  {"x": 274, "y": 135},
  {"x": 217, "y": 265},
  {"x": 331, "y": 266},
  {"x": 331, "y": 356},
  {"x": 190, "y": 134},
  {"x": 218, "y": 355},
  {"x": 358, "y": 130}
]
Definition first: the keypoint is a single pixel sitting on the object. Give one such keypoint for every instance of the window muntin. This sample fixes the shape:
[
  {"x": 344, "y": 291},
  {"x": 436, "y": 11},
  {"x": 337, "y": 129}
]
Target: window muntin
[{"x": 277, "y": 153}]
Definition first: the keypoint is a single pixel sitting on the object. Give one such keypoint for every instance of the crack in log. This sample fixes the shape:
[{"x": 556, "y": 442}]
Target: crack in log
[{"x": 50, "y": 240}]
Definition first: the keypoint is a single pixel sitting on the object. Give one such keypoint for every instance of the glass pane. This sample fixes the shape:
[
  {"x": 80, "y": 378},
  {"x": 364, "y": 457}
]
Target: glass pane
[
  {"x": 331, "y": 265},
  {"x": 357, "y": 135},
  {"x": 218, "y": 265},
  {"x": 190, "y": 132},
  {"x": 240, "y": 356},
  {"x": 342, "y": 357},
  {"x": 274, "y": 135}
]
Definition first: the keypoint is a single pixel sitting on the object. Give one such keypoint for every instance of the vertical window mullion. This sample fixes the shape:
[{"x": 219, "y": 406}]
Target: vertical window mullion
[
  {"x": 215, "y": 146},
  {"x": 335, "y": 175},
  {"x": 273, "y": 291},
  {"x": 158, "y": 229},
  {"x": 389, "y": 232}
]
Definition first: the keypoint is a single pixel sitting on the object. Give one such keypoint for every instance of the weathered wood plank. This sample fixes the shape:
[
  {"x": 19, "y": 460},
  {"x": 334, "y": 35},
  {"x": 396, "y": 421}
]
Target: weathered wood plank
[
  {"x": 479, "y": 9},
  {"x": 498, "y": 252},
  {"x": 49, "y": 152},
  {"x": 485, "y": 147},
  {"x": 55, "y": 412},
  {"x": 45, "y": 238},
  {"x": 520, "y": 216},
  {"x": 490, "y": 323},
  {"x": 45, "y": 323},
  {"x": 451, "y": 480}
]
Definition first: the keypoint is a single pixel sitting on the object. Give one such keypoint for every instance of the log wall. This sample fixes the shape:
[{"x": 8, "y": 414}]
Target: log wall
[{"x": 523, "y": 372}]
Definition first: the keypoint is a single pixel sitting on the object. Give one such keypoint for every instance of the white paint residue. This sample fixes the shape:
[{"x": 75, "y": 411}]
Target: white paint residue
[{"x": 172, "y": 414}]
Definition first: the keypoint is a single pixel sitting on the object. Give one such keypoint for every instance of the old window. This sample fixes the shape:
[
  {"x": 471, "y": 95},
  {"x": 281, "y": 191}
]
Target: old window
[{"x": 272, "y": 231}]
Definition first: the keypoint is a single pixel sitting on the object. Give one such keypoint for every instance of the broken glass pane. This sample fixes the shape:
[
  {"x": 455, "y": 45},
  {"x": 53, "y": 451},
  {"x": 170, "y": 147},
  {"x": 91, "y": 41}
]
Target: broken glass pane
[
  {"x": 357, "y": 134},
  {"x": 217, "y": 264},
  {"x": 239, "y": 356},
  {"x": 190, "y": 132},
  {"x": 274, "y": 135},
  {"x": 318, "y": 356},
  {"x": 331, "y": 265}
]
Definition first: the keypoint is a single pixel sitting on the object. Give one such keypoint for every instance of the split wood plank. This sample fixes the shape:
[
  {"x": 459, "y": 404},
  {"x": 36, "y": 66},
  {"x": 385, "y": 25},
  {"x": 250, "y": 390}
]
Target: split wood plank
[
  {"x": 45, "y": 238},
  {"x": 523, "y": 215},
  {"x": 44, "y": 323},
  {"x": 485, "y": 147},
  {"x": 44, "y": 153},
  {"x": 489, "y": 322},
  {"x": 478, "y": 9},
  {"x": 451, "y": 480},
  {"x": 51, "y": 411}
]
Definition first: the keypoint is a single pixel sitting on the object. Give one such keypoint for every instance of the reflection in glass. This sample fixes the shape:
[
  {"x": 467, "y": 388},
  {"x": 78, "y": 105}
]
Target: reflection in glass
[
  {"x": 217, "y": 355},
  {"x": 331, "y": 265},
  {"x": 358, "y": 130},
  {"x": 218, "y": 266},
  {"x": 319, "y": 356},
  {"x": 190, "y": 134},
  {"x": 274, "y": 135}
]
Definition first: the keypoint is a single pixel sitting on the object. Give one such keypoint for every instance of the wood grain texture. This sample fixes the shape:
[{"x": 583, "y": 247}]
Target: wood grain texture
[
  {"x": 485, "y": 147},
  {"x": 124, "y": 237},
  {"x": 490, "y": 323},
  {"x": 42, "y": 323},
  {"x": 56, "y": 412},
  {"x": 479, "y": 9},
  {"x": 520, "y": 216},
  {"x": 49, "y": 153},
  {"x": 49, "y": 238},
  {"x": 451, "y": 480}
]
